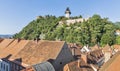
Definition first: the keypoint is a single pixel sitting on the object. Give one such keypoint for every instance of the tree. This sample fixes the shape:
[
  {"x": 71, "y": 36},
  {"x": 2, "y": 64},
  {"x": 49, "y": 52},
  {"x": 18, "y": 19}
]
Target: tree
[
  {"x": 107, "y": 39},
  {"x": 95, "y": 30},
  {"x": 118, "y": 40}
]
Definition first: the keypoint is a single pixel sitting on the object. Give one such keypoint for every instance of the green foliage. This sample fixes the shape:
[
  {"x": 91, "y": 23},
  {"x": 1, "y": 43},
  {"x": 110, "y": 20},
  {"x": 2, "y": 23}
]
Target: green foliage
[
  {"x": 118, "y": 40},
  {"x": 107, "y": 39},
  {"x": 96, "y": 30},
  {"x": 117, "y": 25}
]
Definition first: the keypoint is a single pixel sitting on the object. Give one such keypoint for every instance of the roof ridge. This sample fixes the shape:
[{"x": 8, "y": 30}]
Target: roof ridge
[{"x": 111, "y": 59}]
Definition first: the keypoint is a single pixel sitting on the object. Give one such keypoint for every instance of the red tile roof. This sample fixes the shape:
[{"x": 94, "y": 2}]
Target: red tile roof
[
  {"x": 5, "y": 43},
  {"x": 1, "y": 40},
  {"x": 116, "y": 47},
  {"x": 28, "y": 69},
  {"x": 73, "y": 66},
  {"x": 113, "y": 64},
  {"x": 29, "y": 51},
  {"x": 107, "y": 48},
  {"x": 76, "y": 48},
  {"x": 96, "y": 47},
  {"x": 11, "y": 46}
]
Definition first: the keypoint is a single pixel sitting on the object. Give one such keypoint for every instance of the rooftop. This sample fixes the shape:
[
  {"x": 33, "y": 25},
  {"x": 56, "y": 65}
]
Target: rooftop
[
  {"x": 112, "y": 64},
  {"x": 107, "y": 48},
  {"x": 29, "y": 51},
  {"x": 96, "y": 47},
  {"x": 44, "y": 66},
  {"x": 67, "y": 10},
  {"x": 73, "y": 66}
]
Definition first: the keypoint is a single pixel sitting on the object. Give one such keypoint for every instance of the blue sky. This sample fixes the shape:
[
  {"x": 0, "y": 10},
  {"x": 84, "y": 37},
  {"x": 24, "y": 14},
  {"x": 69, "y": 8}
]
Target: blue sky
[{"x": 16, "y": 14}]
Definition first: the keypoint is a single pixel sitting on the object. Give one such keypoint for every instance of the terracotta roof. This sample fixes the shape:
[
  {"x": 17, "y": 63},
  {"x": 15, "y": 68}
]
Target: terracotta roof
[
  {"x": 113, "y": 64},
  {"x": 11, "y": 46},
  {"x": 77, "y": 51},
  {"x": 5, "y": 43},
  {"x": 29, "y": 51},
  {"x": 96, "y": 47},
  {"x": 76, "y": 48},
  {"x": 73, "y": 66},
  {"x": 107, "y": 48},
  {"x": 74, "y": 45},
  {"x": 116, "y": 46},
  {"x": 96, "y": 52},
  {"x": 34, "y": 53},
  {"x": 28, "y": 69},
  {"x": 95, "y": 56},
  {"x": 1, "y": 40}
]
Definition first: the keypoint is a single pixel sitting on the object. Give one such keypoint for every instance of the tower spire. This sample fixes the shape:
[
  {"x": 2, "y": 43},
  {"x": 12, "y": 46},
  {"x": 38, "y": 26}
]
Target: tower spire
[{"x": 67, "y": 12}]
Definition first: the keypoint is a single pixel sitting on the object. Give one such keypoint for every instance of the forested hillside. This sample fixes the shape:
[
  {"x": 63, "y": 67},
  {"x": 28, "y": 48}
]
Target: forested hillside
[{"x": 96, "y": 30}]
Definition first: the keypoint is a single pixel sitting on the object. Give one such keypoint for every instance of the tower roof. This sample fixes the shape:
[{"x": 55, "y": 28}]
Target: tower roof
[{"x": 67, "y": 10}]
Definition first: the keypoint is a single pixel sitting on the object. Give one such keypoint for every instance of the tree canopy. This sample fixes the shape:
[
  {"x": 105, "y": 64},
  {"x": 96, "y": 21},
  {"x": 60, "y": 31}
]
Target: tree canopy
[{"x": 95, "y": 30}]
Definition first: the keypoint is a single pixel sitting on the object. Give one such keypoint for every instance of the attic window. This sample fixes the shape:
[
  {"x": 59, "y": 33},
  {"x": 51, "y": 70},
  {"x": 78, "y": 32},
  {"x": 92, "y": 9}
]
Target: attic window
[{"x": 60, "y": 62}]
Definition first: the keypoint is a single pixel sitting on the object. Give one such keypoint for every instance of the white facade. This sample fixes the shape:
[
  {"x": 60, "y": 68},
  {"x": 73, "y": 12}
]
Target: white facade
[
  {"x": 117, "y": 33},
  {"x": 73, "y": 21},
  {"x": 67, "y": 15},
  {"x": 85, "y": 49},
  {"x": 107, "y": 56},
  {"x": 4, "y": 66}
]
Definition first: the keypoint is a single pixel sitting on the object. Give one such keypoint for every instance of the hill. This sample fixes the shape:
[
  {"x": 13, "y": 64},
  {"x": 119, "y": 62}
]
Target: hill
[
  {"x": 6, "y": 36},
  {"x": 95, "y": 30}
]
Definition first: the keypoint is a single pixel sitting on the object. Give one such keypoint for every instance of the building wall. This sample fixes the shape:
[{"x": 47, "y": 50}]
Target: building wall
[
  {"x": 117, "y": 33},
  {"x": 101, "y": 61},
  {"x": 9, "y": 66},
  {"x": 66, "y": 68},
  {"x": 4, "y": 66},
  {"x": 73, "y": 21},
  {"x": 67, "y": 15},
  {"x": 64, "y": 57},
  {"x": 15, "y": 67},
  {"x": 107, "y": 56}
]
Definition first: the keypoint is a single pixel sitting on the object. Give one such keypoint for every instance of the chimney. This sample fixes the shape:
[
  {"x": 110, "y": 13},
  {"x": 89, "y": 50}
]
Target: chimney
[
  {"x": 84, "y": 57},
  {"x": 74, "y": 44},
  {"x": 78, "y": 62},
  {"x": 36, "y": 40},
  {"x": 73, "y": 51},
  {"x": 19, "y": 39}
]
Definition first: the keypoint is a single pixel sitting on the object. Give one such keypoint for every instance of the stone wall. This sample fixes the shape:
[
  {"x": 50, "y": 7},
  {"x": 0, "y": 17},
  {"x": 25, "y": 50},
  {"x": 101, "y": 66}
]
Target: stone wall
[
  {"x": 63, "y": 58},
  {"x": 73, "y": 21}
]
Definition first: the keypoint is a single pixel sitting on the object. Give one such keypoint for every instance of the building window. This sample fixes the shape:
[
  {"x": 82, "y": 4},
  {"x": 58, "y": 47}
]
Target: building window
[
  {"x": 60, "y": 62},
  {"x": 6, "y": 68},
  {"x": 1, "y": 65},
  {"x": 17, "y": 67},
  {"x": 20, "y": 68}
]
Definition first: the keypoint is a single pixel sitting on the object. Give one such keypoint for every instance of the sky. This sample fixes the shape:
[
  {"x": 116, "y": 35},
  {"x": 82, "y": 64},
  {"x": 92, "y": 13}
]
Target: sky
[{"x": 16, "y": 14}]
